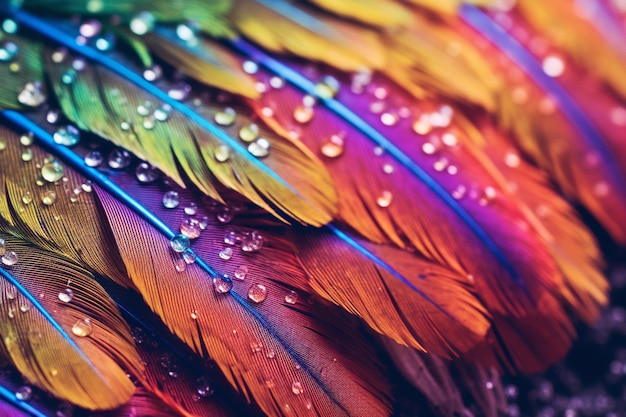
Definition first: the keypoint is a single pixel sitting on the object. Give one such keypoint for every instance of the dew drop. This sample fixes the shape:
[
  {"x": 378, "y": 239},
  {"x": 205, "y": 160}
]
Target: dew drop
[
  {"x": 31, "y": 94},
  {"x": 8, "y": 51},
  {"x": 3, "y": 145},
  {"x": 225, "y": 117},
  {"x": 52, "y": 171},
  {"x": 553, "y": 66},
  {"x": 618, "y": 116},
  {"x": 441, "y": 164},
  {"x": 67, "y": 295},
  {"x": 252, "y": 242},
  {"x": 257, "y": 293},
  {"x": 226, "y": 254},
  {"x": 203, "y": 222},
  {"x": 27, "y": 155},
  {"x": 241, "y": 273},
  {"x": 222, "y": 284},
  {"x": 249, "y": 132},
  {"x": 179, "y": 243},
  {"x": 170, "y": 199},
  {"x": 277, "y": 82},
  {"x": 449, "y": 139},
  {"x": 190, "y": 228},
  {"x": 180, "y": 265},
  {"x": 82, "y": 328},
  {"x": 222, "y": 153},
  {"x": 153, "y": 73},
  {"x": 24, "y": 307},
  {"x": 259, "y": 148},
  {"x": 162, "y": 114},
  {"x": 388, "y": 169},
  {"x": 231, "y": 237},
  {"x": 86, "y": 186},
  {"x": 250, "y": 67},
  {"x": 9, "y": 26},
  {"x": 291, "y": 297},
  {"x": 189, "y": 257},
  {"x": 191, "y": 209},
  {"x": 303, "y": 114},
  {"x": 27, "y": 197},
  {"x": 203, "y": 387},
  {"x": 328, "y": 87},
  {"x": 511, "y": 159},
  {"x": 385, "y": 199},
  {"x": 27, "y": 139},
  {"x": 389, "y": 119},
  {"x": 24, "y": 393},
  {"x": 256, "y": 347},
  {"x": 422, "y": 126},
  {"x": 180, "y": 91},
  {"x": 49, "y": 197},
  {"x": 119, "y": 159},
  {"x": 224, "y": 215},
  {"x": 146, "y": 174},
  {"x": 296, "y": 388},
  {"x": 142, "y": 23},
  {"x": 333, "y": 146}
]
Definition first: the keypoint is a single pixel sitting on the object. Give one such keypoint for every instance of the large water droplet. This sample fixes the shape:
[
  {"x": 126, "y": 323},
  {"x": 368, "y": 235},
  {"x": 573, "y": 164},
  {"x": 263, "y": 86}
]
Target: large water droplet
[
  {"x": 222, "y": 284},
  {"x": 248, "y": 133},
  {"x": 52, "y": 171},
  {"x": 24, "y": 393},
  {"x": 146, "y": 174},
  {"x": 67, "y": 295},
  {"x": 190, "y": 228},
  {"x": 119, "y": 159},
  {"x": 82, "y": 328},
  {"x": 170, "y": 199},
  {"x": 179, "y": 243},
  {"x": 8, "y": 51},
  {"x": 241, "y": 273},
  {"x": 142, "y": 23},
  {"x": 225, "y": 117},
  {"x": 333, "y": 146},
  {"x": 31, "y": 94},
  {"x": 296, "y": 388},
  {"x": 9, "y": 258},
  {"x": 49, "y": 197},
  {"x": 291, "y": 297},
  {"x": 252, "y": 242},
  {"x": 226, "y": 254},
  {"x": 257, "y": 293}
]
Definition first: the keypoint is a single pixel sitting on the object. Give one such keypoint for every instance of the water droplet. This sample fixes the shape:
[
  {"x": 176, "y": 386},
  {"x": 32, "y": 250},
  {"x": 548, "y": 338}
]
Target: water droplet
[
  {"x": 153, "y": 73},
  {"x": 27, "y": 139},
  {"x": 277, "y": 82},
  {"x": 249, "y": 132},
  {"x": 449, "y": 139},
  {"x": 67, "y": 295},
  {"x": 303, "y": 114},
  {"x": 146, "y": 173},
  {"x": 328, "y": 87},
  {"x": 226, "y": 254},
  {"x": 27, "y": 155},
  {"x": 52, "y": 171},
  {"x": 203, "y": 387},
  {"x": 189, "y": 257},
  {"x": 452, "y": 170},
  {"x": 86, "y": 186},
  {"x": 31, "y": 94},
  {"x": 389, "y": 119},
  {"x": 8, "y": 51},
  {"x": 142, "y": 23},
  {"x": 441, "y": 164},
  {"x": 250, "y": 67},
  {"x": 49, "y": 197},
  {"x": 553, "y": 66},
  {"x": 296, "y": 388},
  {"x": 459, "y": 192},
  {"x": 252, "y": 242},
  {"x": 119, "y": 159},
  {"x": 333, "y": 146},
  {"x": 291, "y": 297},
  {"x": 422, "y": 126},
  {"x": 93, "y": 159},
  {"x": 359, "y": 81},
  {"x": 257, "y": 293},
  {"x": 179, "y": 243},
  {"x": 180, "y": 265},
  {"x": 377, "y": 107},
  {"x": 241, "y": 273},
  {"x": 225, "y": 117},
  {"x": 256, "y": 347},
  {"x": 388, "y": 169},
  {"x": 170, "y": 199},
  {"x": 24, "y": 307},
  {"x": 222, "y": 153},
  {"x": 10, "y": 291},
  {"x": 385, "y": 199},
  {"x": 24, "y": 393},
  {"x": 27, "y": 197},
  {"x": 82, "y": 328},
  {"x": 222, "y": 284},
  {"x": 187, "y": 32},
  {"x": 231, "y": 237},
  {"x": 9, "y": 26},
  {"x": 180, "y": 91},
  {"x": 190, "y": 228},
  {"x": 162, "y": 114},
  {"x": 3, "y": 145},
  {"x": 224, "y": 215}
]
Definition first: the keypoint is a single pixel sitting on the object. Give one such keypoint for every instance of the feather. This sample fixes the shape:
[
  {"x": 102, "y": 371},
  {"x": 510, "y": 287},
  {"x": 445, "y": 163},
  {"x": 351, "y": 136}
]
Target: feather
[{"x": 143, "y": 403}]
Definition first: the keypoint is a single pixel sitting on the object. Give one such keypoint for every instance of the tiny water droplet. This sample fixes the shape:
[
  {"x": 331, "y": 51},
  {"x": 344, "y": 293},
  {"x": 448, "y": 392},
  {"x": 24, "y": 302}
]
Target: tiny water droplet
[
  {"x": 27, "y": 197},
  {"x": 27, "y": 155},
  {"x": 231, "y": 237},
  {"x": 3, "y": 247},
  {"x": 256, "y": 347},
  {"x": 191, "y": 209},
  {"x": 222, "y": 153},
  {"x": 389, "y": 119},
  {"x": 226, "y": 254},
  {"x": 67, "y": 136},
  {"x": 190, "y": 228},
  {"x": 328, "y": 87},
  {"x": 459, "y": 192},
  {"x": 180, "y": 265},
  {"x": 8, "y": 51},
  {"x": 224, "y": 215},
  {"x": 225, "y": 117},
  {"x": 82, "y": 328},
  {"x": 142, "y": 23},
  {"x": 24, "y": 307},
  {"x": 153, "y": 73},
  {"x": 553, "y": 66},
  {"x": 203, "y": 387},
  {"x": 249, "y": 132},
  {"x": 257, "y": 293},
  {"x": 189, "y": 257},
  {"x": 31, "y": 94},
  {"x": 203, "y": 222},
  {"x": 291, "y": 297},
  {"x": 3, "y": 145},
  {"x": 241, "y": 273},
  {"x": 250, "y": 67},
  {"x": 277, "y": 82},
  {"x": 27, "y": 139},
  {"x": 429, "y": 148},
  {"x": 259, "y": 148},
  {"x": 144, "y": 109},
  {"x": 67, "y": 295},
  {"x": 11, "y": 312},
  {"x": 252, "y": 242},
  {"x": 385, "y": 199},
  {"x": 194, "y": 314},
  {"x": 9, "y": 258},
  {"x": 93, "y": 159},
  {"x": 422, "y": 126},
  {"x": 440, "y": 164},
  {"x": 179, "y": 243},
  {"x": 146, "y": 173},
  {"x": 86, "y": 186},
  {"x": 180, "y": 91},
  {"x": 24, "y": 393},
  {"x": 388, "y": 169},
  {"x": 119, "y": 159},
  {"x": 49, "y": 197},
  {"x": 170, "y": 199},
  {"x": 52, "y": 171},
  {"x": 222, "y": 284},
  {"x": 333, "y": 146},
  {"x": 303, "y": 114},
  {"x": 296, "y": 388}
]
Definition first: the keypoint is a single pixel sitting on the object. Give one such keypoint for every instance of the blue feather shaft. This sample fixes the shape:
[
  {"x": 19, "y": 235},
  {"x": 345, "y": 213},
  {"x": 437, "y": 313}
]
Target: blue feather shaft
[{"x": 24, "y": 406}]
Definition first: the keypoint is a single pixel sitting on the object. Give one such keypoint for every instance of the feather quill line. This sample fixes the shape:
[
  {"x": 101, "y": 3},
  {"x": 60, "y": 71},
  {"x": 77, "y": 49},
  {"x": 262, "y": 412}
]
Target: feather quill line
[
  {"x": 11, "y": 279},
  {"x": 100, "y": 179},
  {"x": 349, "y": 116},
  {"x": 482, "y": 23},
  {"x": 56, "y": 34}
]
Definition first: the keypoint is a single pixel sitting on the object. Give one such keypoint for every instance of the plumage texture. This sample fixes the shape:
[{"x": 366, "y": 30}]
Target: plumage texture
[{"x": 434, "y": 230}]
